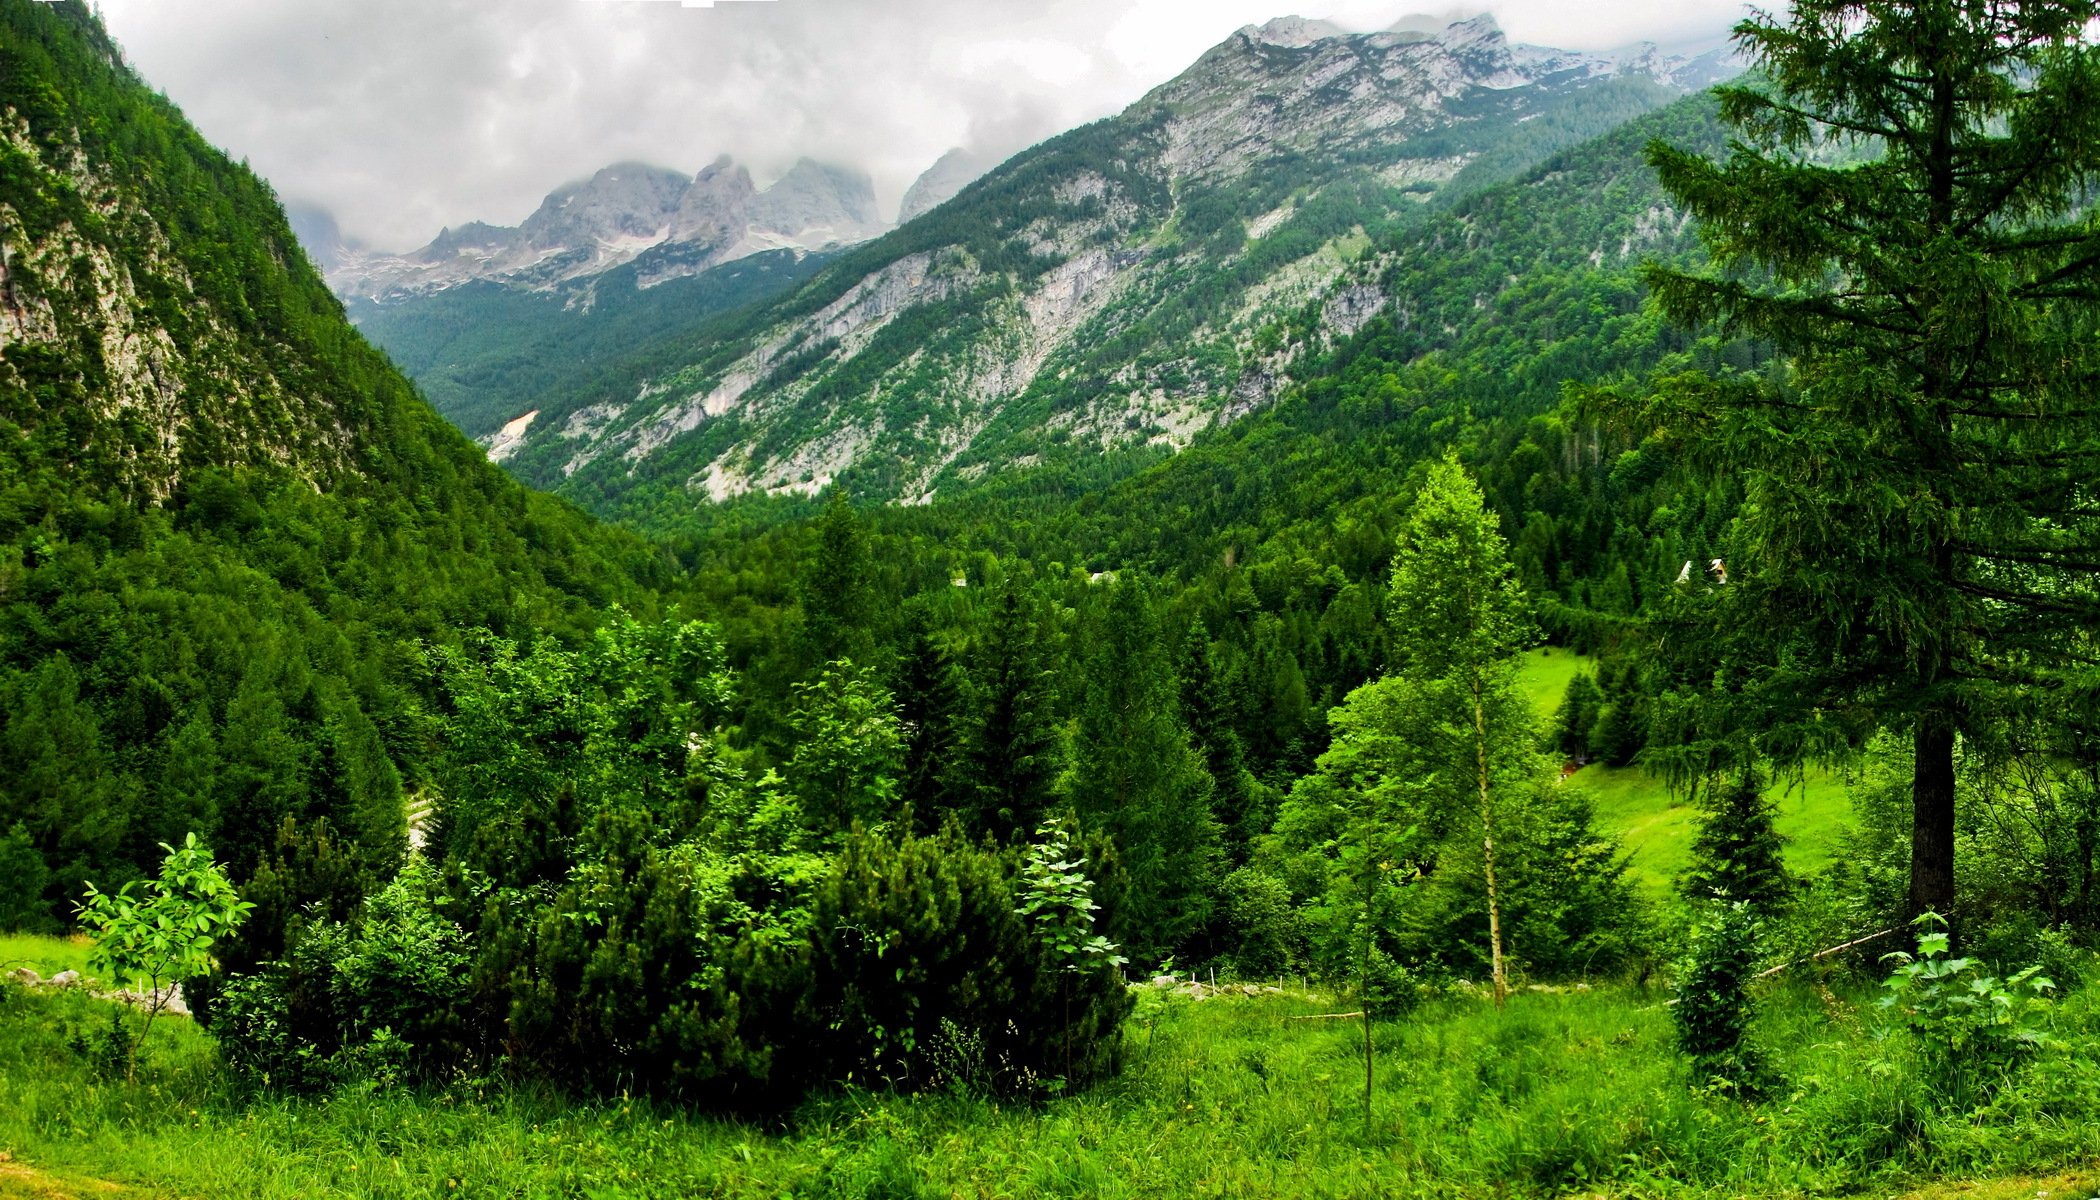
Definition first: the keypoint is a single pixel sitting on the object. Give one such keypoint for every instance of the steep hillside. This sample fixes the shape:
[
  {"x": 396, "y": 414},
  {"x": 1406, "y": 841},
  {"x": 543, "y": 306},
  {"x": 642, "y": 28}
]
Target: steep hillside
[
  {"x": 477, "y": 348},
  {"x": 229, "y": 529},
  {"x": 1120, "y": 287}
]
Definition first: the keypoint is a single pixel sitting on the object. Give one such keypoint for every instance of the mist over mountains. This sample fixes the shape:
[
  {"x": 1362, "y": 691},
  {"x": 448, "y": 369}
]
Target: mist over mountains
[{"x": 1122, "y": 286}]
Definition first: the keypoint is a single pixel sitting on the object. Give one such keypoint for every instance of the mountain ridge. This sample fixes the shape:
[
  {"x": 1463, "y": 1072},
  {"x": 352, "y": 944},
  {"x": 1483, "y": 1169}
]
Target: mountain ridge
[
  {"x": 1109, "y": 289},
  {"x": 674, "y": 225}
]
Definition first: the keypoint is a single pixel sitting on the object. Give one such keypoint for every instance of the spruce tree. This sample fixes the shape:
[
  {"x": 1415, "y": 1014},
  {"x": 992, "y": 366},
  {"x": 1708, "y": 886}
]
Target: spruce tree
[
  {"x": 837, "y": 590},
  {"x": 1233, "y": 790},
  {"x": 1136, "y": 775},
  {"x": 1906, "y": 219},
  {"x": 1459, "y": 617},
  {"x": 1011, "y": 758},
  {"x": 1738, "y": 853},
  {"x": 1579, "y": 708},
  {"x": 931, "y": 708}
]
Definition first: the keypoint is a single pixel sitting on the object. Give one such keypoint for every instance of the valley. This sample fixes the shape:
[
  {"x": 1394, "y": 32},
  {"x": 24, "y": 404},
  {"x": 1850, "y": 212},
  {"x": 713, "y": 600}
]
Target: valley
[{"x": 1409, "y": 613}]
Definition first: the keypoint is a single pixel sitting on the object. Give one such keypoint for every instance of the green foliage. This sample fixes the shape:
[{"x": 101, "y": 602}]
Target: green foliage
[
  {"x": 936, "y": 963},
  {"x": 1714, "y": 1008},
  {"x": 848, "y": 751},
  {"x": 380, "y": 998},
  {"x": 1973, "y": 1028},
  {"x": 1136, "y": 776},
  {"x": 1057, "y": 899},
  {"x": 156, "y": 934},
  {"x": 23, "y": 878}
]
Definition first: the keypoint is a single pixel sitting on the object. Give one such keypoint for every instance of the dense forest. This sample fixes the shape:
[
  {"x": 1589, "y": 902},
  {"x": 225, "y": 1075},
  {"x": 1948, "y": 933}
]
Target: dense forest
[{"x": 425, "y": 785}]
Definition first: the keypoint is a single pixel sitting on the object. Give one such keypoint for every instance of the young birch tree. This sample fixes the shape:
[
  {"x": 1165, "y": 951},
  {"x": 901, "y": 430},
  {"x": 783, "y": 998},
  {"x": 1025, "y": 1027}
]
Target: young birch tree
[{"x": 1458, "y": 617}]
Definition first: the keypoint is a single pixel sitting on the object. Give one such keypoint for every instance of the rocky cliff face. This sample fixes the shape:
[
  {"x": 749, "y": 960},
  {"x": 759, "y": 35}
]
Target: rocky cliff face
[
  {"x": 678, "y": 225},
  {"x": 949, "y": 174},
  {"x": 1119, "y": 287}
]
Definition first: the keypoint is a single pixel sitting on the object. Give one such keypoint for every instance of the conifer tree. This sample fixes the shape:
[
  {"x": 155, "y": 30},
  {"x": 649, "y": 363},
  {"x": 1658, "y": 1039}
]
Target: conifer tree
[
  {"x": 1737, "y": 854},
  {"x": 1906, "y": 218},
  {"x": 837, "y": 591},
  {"x": 931, "y": 707},
  {"x": 1233, "y": 788},
  {"x": 1136, "y": 775},
  {"x": 1458, "y": 616},
  {"x": 1012, "y": 757},
  {"x": 1579, "y": 708}
]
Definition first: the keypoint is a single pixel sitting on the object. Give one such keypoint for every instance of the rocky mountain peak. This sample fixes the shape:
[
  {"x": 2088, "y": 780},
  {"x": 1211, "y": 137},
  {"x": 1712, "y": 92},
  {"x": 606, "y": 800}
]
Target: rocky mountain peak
[
  {"x": 1292, "y": 33},
  {"x": 951, "y": 173},
  {"x": 621, "y": 213},
  {"x": 817, "y": 196},
  {"x": 623, "y": 201}
]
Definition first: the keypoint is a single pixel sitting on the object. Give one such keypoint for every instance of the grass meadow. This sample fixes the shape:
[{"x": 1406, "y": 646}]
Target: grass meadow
[{"x": 1565, "y": 1092}]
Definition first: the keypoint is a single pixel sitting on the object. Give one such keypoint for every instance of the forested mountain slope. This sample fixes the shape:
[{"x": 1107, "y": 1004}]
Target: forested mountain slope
[
  {"x": 1119, "y": 287},
  {"x": 227, "y": 524},
  {"x": 478, "y": 348}
]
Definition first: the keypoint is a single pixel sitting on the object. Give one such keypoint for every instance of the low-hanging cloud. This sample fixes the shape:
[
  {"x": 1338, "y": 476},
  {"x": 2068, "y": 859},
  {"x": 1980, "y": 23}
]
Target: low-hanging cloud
[{"x": 402, "y": 116}]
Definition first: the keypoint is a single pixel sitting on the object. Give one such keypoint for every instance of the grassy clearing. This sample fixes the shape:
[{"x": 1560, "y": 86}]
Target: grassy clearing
[
  {"x": 1562, "y": 1092},
  {"x": 1656, "y": 827},
  {"x": 47, "y": 956},
  {"x": 1545, "y": 675}
]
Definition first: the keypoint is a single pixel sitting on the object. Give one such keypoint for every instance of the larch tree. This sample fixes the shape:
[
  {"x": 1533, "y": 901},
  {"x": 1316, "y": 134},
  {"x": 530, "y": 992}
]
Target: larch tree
[
  {"x": 1458, "y": 616},
  {"x": 1906, "y": 219}
]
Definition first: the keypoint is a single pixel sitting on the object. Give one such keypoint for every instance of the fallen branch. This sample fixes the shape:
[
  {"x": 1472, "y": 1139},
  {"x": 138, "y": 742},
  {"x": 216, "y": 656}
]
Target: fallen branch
[
  {"x": 1827, "y": 953},
  {"x": 1325, "y": 1017}
]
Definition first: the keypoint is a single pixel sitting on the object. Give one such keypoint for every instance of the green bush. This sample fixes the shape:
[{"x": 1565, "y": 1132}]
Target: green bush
[
  {"x": 384, "y": 996},
  {"x": 1713, "y": 1009},
  {"x": 921, "y": 950}
]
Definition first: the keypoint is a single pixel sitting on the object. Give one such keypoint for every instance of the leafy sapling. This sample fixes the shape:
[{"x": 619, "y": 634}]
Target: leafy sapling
[
  {"x": 1713, "y": 1008},
  {"x": 1057, "y": 900},
  {"x": 1972, "y": 1029},
  {"x": 161, "y": 933}
]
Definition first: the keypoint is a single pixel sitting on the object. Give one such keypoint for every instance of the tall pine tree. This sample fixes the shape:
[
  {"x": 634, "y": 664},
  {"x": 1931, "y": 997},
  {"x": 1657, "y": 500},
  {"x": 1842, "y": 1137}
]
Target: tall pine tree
[
  {"x": 1011, "y": 759},
  {"x": 1136, "y": 775},
  {"x": 1906, "y": 218}
]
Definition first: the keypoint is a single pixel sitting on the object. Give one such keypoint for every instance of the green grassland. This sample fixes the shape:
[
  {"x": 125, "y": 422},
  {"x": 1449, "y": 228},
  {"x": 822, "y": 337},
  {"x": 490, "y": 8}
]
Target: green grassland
[
  {"x": 1657, "y": 826},
  {"x": 1562, "y": 1092},
  {"x": 46, "y": 956}
]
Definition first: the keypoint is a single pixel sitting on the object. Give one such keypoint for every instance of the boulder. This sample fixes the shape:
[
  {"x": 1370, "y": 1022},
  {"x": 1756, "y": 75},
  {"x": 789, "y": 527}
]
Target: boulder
[
  {"x": 64, "y": 979},
  {"x": 25, "y": 977}
]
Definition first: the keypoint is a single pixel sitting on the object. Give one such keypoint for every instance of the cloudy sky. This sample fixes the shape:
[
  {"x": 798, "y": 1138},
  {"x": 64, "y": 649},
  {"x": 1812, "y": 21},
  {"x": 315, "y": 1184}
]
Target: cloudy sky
[{"x": 402, "y": 116}]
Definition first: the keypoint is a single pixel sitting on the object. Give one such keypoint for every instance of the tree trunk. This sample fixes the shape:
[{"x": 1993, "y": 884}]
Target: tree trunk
[
  {"x": 1487, "y": 849},
  {"x": 1932, "y": 816}
]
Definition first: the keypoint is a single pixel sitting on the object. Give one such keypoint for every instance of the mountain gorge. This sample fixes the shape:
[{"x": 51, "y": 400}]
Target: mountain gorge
[{"x": 1111, "y": 292}]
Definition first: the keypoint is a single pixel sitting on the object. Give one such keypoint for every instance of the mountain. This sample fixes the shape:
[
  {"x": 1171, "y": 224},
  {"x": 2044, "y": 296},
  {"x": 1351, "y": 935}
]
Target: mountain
[
  {"x": 1107, "y": 294},
  {"x": 672, "y": 224},
  {"x": 232, "y": 535},
  {"x": 949, "y": 174}
]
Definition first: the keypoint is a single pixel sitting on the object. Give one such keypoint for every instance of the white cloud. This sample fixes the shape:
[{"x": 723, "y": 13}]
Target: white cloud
[{"x": 405, "y": 115}]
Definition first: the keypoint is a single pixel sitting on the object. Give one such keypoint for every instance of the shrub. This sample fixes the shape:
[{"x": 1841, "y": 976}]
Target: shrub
[
  {"x": 1972, "y": 1029},
  {"x": 383, "y": 996},
  {"x": 160, "y": 933},
  {"x": 923, "y": 941},
  {"x": 1713, "y": 1010}
]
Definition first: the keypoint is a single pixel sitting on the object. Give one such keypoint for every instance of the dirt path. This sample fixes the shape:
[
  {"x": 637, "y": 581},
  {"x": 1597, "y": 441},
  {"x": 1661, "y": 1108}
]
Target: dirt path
[{"x": 20, "y": 1181}]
